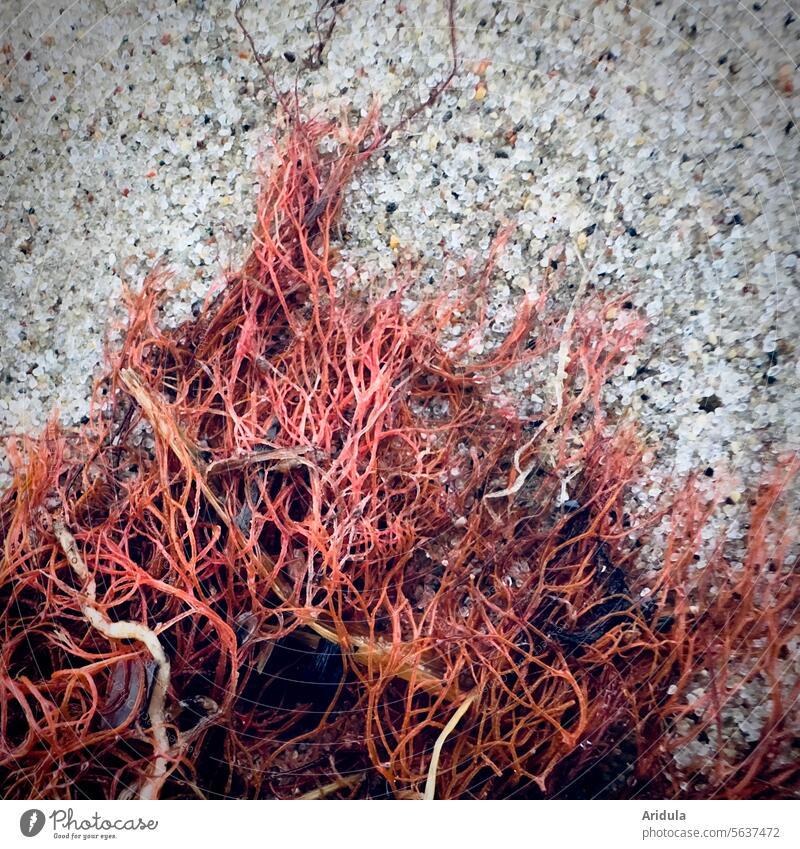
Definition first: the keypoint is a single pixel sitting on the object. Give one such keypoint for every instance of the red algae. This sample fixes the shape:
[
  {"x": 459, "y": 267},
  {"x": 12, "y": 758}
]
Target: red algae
[{"x": 300, "y": 546}]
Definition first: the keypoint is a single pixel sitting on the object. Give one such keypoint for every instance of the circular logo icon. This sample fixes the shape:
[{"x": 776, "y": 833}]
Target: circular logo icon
[{"x": 31, "y": 822}]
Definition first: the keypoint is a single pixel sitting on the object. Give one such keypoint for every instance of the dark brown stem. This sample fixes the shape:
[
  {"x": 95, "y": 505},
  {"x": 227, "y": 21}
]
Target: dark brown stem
[
  {"x": 314, "y": 54},
  {"x": 237, "y": 14},
  {"x": 435, "y": 92}
]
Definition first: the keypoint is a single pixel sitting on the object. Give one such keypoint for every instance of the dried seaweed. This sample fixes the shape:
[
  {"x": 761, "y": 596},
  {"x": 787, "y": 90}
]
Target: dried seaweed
[{"x": 356, "y": 557}]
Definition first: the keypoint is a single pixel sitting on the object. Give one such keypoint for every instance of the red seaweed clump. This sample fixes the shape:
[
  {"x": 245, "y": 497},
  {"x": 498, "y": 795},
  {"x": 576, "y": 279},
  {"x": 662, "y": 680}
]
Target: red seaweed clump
[{"x": 303, "y": 547}]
